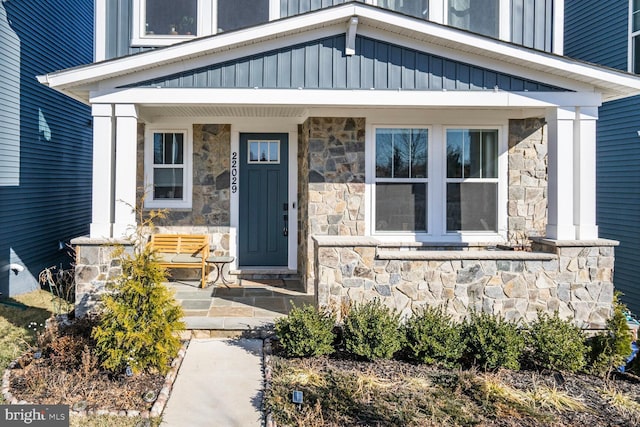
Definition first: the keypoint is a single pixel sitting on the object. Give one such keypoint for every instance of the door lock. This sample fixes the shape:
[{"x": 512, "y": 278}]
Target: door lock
[{"x": 285, "y": 231}]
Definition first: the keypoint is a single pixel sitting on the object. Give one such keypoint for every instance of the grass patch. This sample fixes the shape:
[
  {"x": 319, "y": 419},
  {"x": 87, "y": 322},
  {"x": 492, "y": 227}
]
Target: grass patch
[
  {"x": 15, "y": 335},
  {"x": 111, "y": 421}
]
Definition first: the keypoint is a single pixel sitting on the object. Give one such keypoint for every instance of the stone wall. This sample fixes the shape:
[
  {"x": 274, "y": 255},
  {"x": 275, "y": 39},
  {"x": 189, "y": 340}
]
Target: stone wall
[
  {"x": 527, "y": 205},
  {"x": 96, "y": 266},
  {"x": 331, "y": 181},
  {"x": 574, "y": 279},
  {"x": 210, "y": 212}
]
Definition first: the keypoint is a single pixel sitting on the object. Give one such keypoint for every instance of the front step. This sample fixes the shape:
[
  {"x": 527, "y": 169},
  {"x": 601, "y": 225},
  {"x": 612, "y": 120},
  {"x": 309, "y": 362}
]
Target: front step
[{"x": 265, "y": 273}]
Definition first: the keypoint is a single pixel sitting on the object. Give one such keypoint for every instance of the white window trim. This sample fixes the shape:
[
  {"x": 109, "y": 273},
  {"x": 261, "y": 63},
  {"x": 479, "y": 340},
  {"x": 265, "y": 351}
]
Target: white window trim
[
  {"x": 632, "y": 35},
  {"x": 436, "y": 194},
  {"x": 187, "y": 175},
  {"x": 207, "y": 11}
]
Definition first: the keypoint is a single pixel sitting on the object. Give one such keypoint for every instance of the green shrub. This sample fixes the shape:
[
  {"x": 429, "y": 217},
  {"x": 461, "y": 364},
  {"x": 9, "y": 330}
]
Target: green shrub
[
  {"x": 610, "y": 350},
  {"x": 306, "y": 332},
  {"x": 433, "y": 337},
  {"x": 372, "y": 331},
  {"x": 557, "y": 344},
  {"x": 141, "y": 319},
  {"x": 491, "y": 342}
]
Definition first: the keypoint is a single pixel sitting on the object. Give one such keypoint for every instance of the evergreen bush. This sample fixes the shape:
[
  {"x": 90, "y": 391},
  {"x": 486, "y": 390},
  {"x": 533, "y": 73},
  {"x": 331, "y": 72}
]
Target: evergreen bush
[
  {"x": 491, "y": 342},
  {"x": 554, "y": 343},
  {"x": 432, "y": 337},
  {"x": 139, "y": 324},
  {"x": 609, "y": 350},
  {"x": 372, "y": 331},
  {"x": 306, "y": 332}
]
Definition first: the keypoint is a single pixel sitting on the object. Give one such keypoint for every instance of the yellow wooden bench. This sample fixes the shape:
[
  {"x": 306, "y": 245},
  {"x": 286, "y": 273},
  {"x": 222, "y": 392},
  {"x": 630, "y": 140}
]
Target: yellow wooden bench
[{"x": 182, "y": 251}]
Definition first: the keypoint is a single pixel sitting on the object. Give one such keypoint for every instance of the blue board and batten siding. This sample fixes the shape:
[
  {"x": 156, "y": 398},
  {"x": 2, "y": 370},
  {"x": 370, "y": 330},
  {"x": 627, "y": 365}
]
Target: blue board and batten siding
[
  {"x": 597, "y": 31},
  {"x": 322, "y": 64},
  {"x": 45, "y": 137},
  {"x": 531, "y": 22}
]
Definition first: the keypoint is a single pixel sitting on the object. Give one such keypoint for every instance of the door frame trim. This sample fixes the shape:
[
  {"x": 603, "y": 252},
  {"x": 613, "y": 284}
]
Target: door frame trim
[{"x": 289, "y": 127}]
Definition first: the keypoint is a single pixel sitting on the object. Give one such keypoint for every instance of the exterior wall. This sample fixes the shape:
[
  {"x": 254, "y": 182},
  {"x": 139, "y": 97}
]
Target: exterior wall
[
  {"x": 597, "y": 31},
  {"x": 97, "y": 265},
  {"x": 323, "y": 64},
  {"x": 527, "y": 205},
  {"x": 333, "y": 193},
  {"x": 576, "y": 281},
  {"x": 45, "y": 138},
  {"x": 211, "y": 198},
  {"x": 119, "y": 27},
  {"x": 618, "y": 145}
]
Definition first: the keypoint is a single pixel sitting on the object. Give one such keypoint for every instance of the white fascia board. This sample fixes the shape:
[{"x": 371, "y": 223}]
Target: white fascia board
[{"x": 347, "y": 98}]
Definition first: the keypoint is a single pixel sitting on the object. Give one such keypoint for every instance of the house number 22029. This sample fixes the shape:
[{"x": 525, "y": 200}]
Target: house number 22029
[{"x": 234, "y": 172}]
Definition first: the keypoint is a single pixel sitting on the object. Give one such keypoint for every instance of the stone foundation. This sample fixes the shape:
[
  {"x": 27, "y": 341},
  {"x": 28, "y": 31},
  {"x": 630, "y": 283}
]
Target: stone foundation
[{"x": 572, "y": 278}]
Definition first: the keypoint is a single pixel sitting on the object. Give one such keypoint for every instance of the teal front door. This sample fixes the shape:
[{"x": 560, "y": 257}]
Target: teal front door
[{"x": 264, "y": 206}]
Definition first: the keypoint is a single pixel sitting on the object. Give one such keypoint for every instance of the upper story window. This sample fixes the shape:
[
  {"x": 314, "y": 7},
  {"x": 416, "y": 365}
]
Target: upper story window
[
  {"x": 634, "y": 37},
  {"x": 165, "y": 22},
  {"x": 417, "y": 8},
  {"x": 171, "y": 17},
  {"x": 479, "y": 16}
]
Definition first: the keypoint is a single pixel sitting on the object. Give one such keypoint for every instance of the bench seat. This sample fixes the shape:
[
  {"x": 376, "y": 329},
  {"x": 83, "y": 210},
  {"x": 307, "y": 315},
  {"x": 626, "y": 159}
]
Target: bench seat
[{"x": 182, "y": 251}]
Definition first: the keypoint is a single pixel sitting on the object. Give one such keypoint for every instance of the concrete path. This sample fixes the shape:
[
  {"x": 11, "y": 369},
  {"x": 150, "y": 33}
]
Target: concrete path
[{"x": 218, "y": 384}]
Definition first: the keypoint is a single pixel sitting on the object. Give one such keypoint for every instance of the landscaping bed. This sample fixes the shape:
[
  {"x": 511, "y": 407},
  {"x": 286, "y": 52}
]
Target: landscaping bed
[{"x": 341, "y": 391}]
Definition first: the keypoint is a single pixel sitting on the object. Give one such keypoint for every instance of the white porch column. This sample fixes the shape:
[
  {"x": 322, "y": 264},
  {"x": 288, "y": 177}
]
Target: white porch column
[
  {"x": 561, "y": 134},
  {"x": 585, "y": 174},
  {"x": 125, "y": 188},
  {"x": 102, "y": 198}
]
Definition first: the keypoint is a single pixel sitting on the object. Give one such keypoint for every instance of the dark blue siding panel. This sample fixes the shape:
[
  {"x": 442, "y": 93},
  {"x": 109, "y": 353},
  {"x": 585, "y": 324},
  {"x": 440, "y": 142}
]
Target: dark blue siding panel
[
  {"x": 596, "y": 31},
  {"x": 295, "y": 7},
  {"x": 618, "y": 191},
  {"x": 323, "y": 64},
  {"x": 45, "y": 196}
]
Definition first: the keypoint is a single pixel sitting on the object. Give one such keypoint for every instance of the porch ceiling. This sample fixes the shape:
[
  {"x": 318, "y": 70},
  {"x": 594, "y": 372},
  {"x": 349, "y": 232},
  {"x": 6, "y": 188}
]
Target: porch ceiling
[{"x": 151, "y": 112}]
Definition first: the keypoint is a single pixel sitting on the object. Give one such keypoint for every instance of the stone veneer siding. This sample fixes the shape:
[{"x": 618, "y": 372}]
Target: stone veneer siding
[
  {"x": 527, "y": 198},
  {"x": 96, "y": 266},
  {"x": 210, "y": 212},
  {"x": 573, "y": 278},
  {"x": 331, "y": 182}
]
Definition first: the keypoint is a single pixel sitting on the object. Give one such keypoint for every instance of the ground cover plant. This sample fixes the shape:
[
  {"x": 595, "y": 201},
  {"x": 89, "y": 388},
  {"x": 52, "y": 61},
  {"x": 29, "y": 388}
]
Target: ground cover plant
[{"x": 422, "y": 385}]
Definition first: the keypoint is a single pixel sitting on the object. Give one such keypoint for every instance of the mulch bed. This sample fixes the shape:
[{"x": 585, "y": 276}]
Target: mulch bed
[
  {"x": 464, "y": 388},
  {"x": 65, "y": 371}
]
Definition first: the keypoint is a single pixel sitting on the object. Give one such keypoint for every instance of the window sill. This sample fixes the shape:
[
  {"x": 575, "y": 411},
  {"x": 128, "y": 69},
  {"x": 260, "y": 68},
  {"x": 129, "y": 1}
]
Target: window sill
[{"x": 159, "y": 41}]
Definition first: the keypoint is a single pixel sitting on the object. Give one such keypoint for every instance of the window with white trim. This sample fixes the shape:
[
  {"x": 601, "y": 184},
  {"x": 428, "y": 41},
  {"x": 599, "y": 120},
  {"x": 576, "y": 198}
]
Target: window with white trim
[
  {"x": 479, "y": 16},
  {"x": 401, "y": 179},
  {"x": 472, "y": 180},
  {"x": 634, "y": 36},
  {"x": 437, "y": 183},
  {"x": 417, "y": 8},
  {"x": 168, "y": 174},
  {"x": 165, "y": 22}
]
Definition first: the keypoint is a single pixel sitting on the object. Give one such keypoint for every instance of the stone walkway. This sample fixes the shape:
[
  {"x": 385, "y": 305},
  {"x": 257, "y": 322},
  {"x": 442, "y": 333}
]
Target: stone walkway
[{"x": 252, "y": 304}]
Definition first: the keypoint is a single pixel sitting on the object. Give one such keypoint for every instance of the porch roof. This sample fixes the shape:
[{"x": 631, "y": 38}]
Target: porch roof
[{"x": 100, "y": 78}]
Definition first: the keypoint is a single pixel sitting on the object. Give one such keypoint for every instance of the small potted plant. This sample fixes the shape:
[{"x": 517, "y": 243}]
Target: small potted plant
[{"x": 186, "y": 25}]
